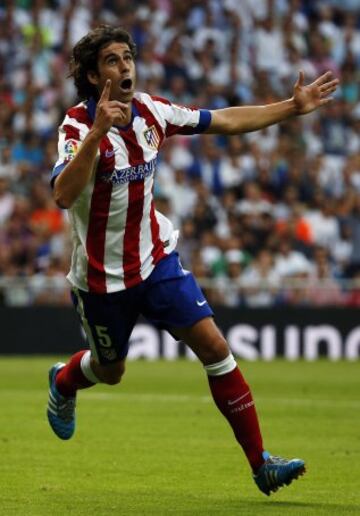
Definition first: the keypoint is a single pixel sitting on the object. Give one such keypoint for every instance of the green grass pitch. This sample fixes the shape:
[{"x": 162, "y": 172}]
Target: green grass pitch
[{"x": 156, "y": 445}]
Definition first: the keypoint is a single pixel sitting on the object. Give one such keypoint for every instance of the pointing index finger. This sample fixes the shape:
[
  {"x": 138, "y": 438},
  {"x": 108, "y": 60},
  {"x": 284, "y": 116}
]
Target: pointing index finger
[
  {"x": 300, "y": 80},
  {"x": 105, "y": 94}
]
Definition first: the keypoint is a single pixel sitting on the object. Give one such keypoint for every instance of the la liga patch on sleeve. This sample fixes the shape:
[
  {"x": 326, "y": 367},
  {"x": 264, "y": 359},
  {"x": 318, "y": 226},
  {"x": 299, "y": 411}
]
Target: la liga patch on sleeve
[{"x": 70, "y": 149}]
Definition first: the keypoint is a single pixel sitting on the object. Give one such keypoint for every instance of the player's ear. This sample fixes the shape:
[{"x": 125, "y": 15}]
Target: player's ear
[{"x": 93, "y": 77}]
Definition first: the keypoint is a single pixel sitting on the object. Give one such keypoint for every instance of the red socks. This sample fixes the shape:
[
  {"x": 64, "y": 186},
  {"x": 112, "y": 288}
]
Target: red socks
[
  {"x": 230, "y": 391},
  {"x": 233, "y": 398},
  {"x": 71, "y": 378}
]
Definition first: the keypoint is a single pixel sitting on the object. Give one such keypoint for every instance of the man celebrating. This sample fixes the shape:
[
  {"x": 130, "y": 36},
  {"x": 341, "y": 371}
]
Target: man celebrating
[{"x": 124, "y": 261}]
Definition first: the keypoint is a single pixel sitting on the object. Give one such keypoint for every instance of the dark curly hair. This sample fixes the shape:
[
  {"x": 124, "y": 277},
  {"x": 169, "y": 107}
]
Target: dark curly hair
[{"x": 85, "y": 55}]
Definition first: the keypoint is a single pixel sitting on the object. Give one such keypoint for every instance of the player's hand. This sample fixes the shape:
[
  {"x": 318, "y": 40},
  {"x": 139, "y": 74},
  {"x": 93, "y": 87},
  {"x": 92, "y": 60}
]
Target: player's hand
[
  {"x": 309, "y": 97},
  {"x": 109, "y": 112}
]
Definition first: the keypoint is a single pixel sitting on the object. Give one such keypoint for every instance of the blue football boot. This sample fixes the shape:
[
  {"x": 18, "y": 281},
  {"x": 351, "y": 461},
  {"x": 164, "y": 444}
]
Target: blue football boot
[
  {"x": 276, "y": 472},
  {"x": 60, "y": 410}
]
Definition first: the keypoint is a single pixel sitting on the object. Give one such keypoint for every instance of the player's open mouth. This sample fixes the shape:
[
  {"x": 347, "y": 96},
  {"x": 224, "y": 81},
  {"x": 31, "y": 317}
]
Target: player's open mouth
[{"x": 126, "y": 84}]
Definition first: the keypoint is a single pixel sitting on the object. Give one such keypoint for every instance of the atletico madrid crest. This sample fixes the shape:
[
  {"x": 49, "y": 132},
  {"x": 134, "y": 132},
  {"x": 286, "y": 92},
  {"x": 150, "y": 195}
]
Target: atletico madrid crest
[{"x": 152, "y": 137}]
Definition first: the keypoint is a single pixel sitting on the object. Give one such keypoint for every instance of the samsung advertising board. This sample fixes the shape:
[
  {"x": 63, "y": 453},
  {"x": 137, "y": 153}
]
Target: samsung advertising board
[{"x": 265, "y": 334}]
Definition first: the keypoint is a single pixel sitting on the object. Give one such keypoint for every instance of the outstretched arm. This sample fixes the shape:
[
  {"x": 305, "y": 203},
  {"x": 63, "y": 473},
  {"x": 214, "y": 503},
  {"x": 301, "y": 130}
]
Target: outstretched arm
[{"x": 306, "y": 98}]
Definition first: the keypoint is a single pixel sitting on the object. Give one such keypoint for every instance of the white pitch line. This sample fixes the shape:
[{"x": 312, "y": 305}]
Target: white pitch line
[
  {"x": 179, "y": 398},
  {"x": 146, "y": 397},
  {"x": 183, "y": 398}
]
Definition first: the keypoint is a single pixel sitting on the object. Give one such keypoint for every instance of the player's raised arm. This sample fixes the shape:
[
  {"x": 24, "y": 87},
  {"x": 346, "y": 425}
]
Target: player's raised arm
[
  {"x": 306, "y": 98},
  {"x": 77, "y": 173}
]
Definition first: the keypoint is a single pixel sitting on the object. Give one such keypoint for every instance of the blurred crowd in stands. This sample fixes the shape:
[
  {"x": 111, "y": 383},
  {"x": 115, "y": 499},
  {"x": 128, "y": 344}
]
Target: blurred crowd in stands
[{"x": 267, "y": 218}]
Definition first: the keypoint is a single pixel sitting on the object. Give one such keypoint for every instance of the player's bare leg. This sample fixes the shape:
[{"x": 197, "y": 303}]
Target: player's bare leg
[
  {"x": 110, "y": 374},
  {"x": 233, "y": 398}
]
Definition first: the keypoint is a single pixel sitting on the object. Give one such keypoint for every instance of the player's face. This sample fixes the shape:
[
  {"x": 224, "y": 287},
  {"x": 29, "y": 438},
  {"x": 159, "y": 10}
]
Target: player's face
[{"x": 115, "y": 62}]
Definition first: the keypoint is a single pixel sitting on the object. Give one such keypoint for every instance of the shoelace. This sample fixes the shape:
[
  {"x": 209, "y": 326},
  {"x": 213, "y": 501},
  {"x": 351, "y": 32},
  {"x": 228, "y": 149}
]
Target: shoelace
[
  {"x": 66, "y": 410},
  {"x": 277, "y": 460}
]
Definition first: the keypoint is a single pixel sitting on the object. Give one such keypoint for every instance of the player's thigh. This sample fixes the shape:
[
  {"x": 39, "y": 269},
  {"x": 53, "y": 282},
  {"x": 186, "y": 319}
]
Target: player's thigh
[
  {"x": 108, "y": 320},
  {"x": 179, "y": 305},
  {"x": 175, "y": 302},
  {"x": 205, "y": 339}
]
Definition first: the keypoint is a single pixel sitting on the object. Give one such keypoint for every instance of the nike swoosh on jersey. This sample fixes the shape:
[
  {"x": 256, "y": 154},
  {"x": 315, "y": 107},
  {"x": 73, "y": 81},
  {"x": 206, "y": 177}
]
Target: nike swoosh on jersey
[{"x": 200, "y": 303}]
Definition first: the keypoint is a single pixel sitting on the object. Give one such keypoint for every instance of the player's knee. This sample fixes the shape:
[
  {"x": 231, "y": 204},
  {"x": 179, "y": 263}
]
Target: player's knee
[
  {"x": 112, "y": 374},
  {"x": 112, "y": 379},
  {"x": 216, "y": 351}
]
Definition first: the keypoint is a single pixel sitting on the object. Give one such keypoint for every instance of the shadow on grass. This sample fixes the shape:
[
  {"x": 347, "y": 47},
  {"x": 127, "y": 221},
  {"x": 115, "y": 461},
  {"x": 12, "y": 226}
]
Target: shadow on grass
[
  {"x": 163, "y": 502},
  {"x": 255, "y": 507},
  {"x": 166, "y": 502},
  {"x": 269, "y": 508},
  {"x": 314, "y": 505}
]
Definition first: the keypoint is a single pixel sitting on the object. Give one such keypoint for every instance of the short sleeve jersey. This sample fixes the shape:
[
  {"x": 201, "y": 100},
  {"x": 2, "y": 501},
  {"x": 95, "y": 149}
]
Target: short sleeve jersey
[{"x": 118, "y": 235}]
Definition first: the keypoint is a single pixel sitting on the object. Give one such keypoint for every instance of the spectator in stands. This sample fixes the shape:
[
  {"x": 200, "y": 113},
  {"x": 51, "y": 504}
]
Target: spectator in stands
[
  {"x": 323, "y": 289},
  {"x": 8, "y": 169},
  {"x": 228, "y": 284},
  {"x": 208, "y": 166},
  {"x": 353, "y": 221},
  {"x": 260, "y": 281},
  {"x": 353, "y": 296},
  {"x": 44, "y": 212},
  {"x": 50, "y": 286},
  {"x": 7, "y": 200},
  {"x": 288, "y": 261}
]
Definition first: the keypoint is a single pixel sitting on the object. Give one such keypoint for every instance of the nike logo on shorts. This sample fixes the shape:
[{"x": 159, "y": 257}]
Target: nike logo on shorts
[{"x": 200, "y": 303}]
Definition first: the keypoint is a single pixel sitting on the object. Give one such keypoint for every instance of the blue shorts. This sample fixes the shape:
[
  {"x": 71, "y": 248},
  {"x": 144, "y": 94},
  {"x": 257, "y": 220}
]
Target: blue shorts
[{"x": 169, "y": 298}]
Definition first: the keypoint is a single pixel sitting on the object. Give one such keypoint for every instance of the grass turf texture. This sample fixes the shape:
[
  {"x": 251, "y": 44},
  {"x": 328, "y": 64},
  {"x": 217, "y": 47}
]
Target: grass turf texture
[{"x": 156, "y": 445}]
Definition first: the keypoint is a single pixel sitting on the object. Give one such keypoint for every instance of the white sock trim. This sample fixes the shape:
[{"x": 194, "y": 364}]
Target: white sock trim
[
  {"x": 86, "y": 368},
  {"x": 223, "y": 367}
]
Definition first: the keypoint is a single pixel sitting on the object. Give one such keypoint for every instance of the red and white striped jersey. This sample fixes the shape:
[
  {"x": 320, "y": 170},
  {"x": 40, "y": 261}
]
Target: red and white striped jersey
[{"x": 118, "y": 236}]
